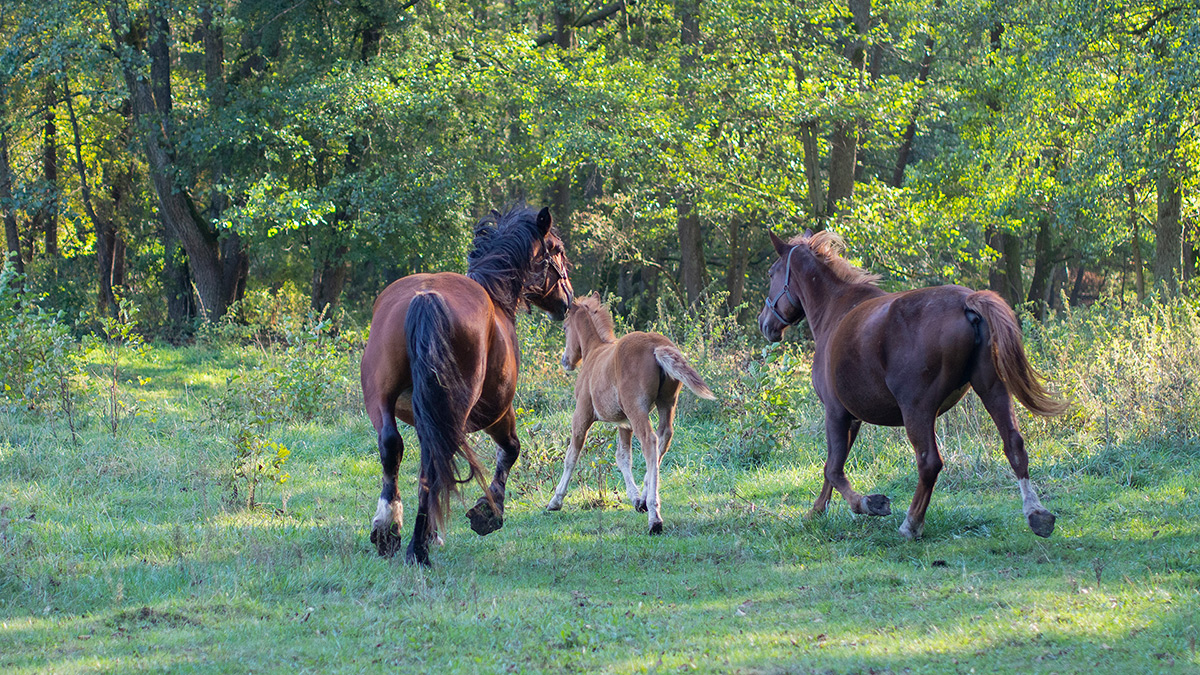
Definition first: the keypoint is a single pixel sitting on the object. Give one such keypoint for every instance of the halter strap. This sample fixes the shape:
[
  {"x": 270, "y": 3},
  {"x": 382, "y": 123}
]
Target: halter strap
[{"x": 772, "y": 303}]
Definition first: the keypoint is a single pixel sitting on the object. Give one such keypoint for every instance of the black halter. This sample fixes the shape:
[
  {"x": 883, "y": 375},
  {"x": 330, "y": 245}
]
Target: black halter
[{"x": 786, "y": 290}]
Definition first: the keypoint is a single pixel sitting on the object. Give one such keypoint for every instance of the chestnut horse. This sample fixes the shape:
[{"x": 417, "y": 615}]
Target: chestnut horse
[
  {"x": 902, "y": 359},
  {"x": 442, "y": 355},
  {"x": 620, "y": 381}
]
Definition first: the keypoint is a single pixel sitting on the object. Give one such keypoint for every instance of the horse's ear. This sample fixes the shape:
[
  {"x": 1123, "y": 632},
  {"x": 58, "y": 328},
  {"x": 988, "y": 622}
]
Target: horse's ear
[
  {"x": 780, "y": 246},
  {"x": 544, "y": 221},
  {"x": 808, "y": 233}
]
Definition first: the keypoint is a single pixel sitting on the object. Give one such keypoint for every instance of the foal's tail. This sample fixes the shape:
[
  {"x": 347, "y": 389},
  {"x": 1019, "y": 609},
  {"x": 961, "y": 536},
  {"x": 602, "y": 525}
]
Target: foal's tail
[
  {"x": 1008, "y": 355},
  {"x": 675, "y": 364},
  {"x": 439, "y": 406}
]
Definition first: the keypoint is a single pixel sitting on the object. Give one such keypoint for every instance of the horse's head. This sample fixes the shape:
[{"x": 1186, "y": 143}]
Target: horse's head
[
  {"x": 783, "y": 308},
  {"x": 549, "y": 286}
]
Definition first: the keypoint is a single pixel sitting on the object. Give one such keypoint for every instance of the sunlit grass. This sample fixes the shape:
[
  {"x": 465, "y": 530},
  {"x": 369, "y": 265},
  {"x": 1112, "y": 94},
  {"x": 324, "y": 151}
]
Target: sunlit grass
[{"x": 127, "y": 552}]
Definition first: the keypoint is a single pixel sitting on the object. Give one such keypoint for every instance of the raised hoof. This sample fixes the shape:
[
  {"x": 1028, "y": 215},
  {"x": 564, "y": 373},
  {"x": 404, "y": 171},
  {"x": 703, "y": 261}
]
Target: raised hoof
[
  {"x": 1042, "y": 523},
  {"x": 656, "y": 528},
  {"x": 639, "y": 505},
  {"x": 485, "y": 520},
  {"x": 387, "y": 542},
  {"x": 877, "y": 505}
]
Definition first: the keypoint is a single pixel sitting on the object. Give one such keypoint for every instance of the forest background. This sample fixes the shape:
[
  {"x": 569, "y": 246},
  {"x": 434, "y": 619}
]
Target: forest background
[
  {"x": 201, "y": 201},
  {"x": 193, "y": 157}
]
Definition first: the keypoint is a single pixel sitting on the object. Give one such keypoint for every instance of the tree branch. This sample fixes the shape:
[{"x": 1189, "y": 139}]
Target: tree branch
[{"x": 585, "y": 20}]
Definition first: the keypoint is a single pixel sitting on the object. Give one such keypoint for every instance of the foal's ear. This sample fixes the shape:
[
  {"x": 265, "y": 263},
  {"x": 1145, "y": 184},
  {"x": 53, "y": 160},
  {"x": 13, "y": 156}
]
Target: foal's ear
[
  {"x": 808, "y": 233},
  {"x": 544, "y": 221},
  {"x": 780, "y": 246}
]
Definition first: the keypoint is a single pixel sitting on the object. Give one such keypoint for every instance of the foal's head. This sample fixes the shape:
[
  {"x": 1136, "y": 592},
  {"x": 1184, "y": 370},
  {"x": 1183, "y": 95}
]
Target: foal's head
[{"x": 587, "y": 320}]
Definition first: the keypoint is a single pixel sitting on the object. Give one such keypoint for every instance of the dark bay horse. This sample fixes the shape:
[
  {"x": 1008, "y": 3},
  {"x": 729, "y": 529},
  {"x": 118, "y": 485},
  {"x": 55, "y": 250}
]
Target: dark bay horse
[
  {"x": 621, "y": 381},
  {"x": 902, "y": 359},
  {"x": 443, "y": 356}
]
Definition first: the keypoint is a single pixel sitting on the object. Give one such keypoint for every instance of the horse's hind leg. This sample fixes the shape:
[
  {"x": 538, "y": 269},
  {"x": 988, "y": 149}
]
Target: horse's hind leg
[
  {"x": 389, "y": 514},
  {"x": 640, "y": 421},
  {"x": 484, "y": 518},
  {"x": 998, "y": 403},
  {"x": 624, "y": 456},
  {"x": 840, "y": 432},
  {"x": 921, "y": 433},
  {"x": 418, "y": 546},
  {"x": 580, "y": 423}
]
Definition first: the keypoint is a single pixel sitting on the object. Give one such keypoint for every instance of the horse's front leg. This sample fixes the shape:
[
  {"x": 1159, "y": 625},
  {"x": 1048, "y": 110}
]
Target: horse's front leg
[
  {"x": 840, "y": 431},
  {"x": 389, "y": 513},
  {"x": 487, "y": 515}
]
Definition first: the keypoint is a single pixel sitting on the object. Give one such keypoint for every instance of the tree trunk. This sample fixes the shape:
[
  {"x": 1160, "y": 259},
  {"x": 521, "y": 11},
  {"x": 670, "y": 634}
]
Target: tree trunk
[
  {"x": 910, "y": 131},
  {"x": 812, "y": 168},
  {"x": 1139, "y": 266},
  {"x": 691, "y": 247},
  {"x": 691, "y": 239},
  {"x": 177, "y": 210},
  {"x": 12, "y": 236},
  {"x": 735, "y": 273},
  {"x": 45, "y": 219},
  {"x": 1005, "y": 276},
  {"x": 843, "y": 141},
  {"x": 1168, "y": 227},
  {"x": 563, "y": 21},
  {"x": 1043, "y": 267}
]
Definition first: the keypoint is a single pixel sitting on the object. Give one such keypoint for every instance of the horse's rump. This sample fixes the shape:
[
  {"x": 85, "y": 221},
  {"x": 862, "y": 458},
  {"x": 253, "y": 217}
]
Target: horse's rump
[{"x": 1008, "y": 354}]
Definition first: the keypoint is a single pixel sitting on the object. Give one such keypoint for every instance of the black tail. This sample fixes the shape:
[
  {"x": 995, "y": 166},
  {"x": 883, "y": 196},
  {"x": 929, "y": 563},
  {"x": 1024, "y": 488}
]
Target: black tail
[{"x": 439, "y": 405}]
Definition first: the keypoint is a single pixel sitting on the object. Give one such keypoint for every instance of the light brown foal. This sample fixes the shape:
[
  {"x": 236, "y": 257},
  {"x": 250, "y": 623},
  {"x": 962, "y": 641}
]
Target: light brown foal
[{"x": 620, "y": 381}]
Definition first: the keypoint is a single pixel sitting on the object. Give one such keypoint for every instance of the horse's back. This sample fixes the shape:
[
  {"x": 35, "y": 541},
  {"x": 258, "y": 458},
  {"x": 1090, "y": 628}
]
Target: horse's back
[
  {"x": 899, "y": 350},
  {"x": 385, "y": 369}
]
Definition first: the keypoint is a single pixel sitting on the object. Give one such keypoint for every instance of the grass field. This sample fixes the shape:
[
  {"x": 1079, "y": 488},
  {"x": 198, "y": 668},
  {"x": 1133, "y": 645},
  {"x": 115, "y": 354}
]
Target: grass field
[{"x": 129, "y": 552}]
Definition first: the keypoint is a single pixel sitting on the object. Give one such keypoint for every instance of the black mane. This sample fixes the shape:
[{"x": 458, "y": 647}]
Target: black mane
[{"x": 501, "y": 255}]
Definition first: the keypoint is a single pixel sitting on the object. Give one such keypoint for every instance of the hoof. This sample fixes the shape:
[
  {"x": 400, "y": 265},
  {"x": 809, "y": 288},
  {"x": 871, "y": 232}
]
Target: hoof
[
  {"x": 1042, "y": 523},
  {"x": 656, "y": 528},
  {"x": 387, "y": 541},
  {"x": 877, "y": 505},
  {"x": 484, "y": 520},
  {"x": 554, "y": 506},
  {"x": 639, "y": 505}
]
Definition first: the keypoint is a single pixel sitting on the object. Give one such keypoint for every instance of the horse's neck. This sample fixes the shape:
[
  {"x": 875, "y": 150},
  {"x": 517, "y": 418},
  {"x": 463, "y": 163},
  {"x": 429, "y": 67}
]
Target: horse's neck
[
  {"x": 827, "y": 297},
  {"x": 590, "y": 338}
]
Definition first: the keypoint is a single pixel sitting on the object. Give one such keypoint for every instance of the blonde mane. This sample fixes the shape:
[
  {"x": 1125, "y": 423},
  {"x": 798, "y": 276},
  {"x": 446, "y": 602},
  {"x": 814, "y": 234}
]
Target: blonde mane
[
  {"x": 598, "y": 314},
  {"x": 829, "y": 247}
]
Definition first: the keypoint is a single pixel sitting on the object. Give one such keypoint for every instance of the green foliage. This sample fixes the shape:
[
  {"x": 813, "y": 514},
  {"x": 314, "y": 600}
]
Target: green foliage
[
  {"x": 256, "y": 459},
  {"x": 39, "y": 358},
  {"x": 120, "y": 335}
]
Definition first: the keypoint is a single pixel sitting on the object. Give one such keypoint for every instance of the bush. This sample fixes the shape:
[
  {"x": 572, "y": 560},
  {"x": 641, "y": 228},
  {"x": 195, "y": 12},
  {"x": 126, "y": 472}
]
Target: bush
[{"x": 39, "y": 358}]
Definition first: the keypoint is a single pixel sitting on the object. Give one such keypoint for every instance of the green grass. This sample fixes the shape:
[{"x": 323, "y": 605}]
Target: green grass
[{"x": 127, "y": 553}]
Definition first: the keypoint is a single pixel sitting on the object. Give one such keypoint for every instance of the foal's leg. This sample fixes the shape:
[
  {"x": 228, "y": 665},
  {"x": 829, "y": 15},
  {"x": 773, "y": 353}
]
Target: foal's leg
[
  {"x": 484, "y": 518},
  {"x": 624, "y": 457},
  {"x": 640, "y": 421},
  {"x": 581, "y": 421},
  {"x": 998, "y": 403},
  {"x": 840, "y": 432},
  {"x": 920, "y": 428},
  {"x": 666, "y": 430},
  {"x": 389, "y": 513}
]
